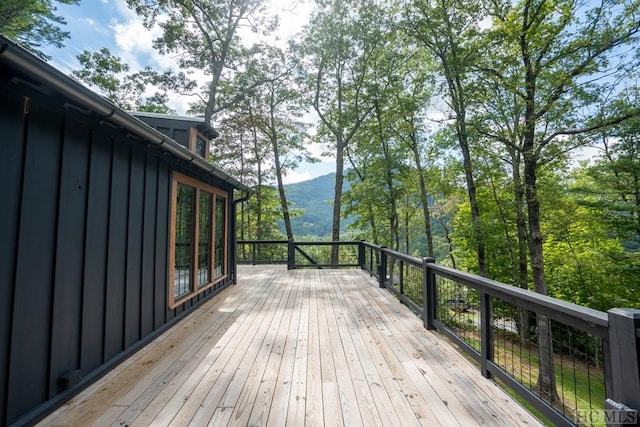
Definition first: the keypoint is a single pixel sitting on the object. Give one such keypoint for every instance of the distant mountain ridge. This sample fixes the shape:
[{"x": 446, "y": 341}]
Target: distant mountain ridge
[{"x": 315, "y": 197}]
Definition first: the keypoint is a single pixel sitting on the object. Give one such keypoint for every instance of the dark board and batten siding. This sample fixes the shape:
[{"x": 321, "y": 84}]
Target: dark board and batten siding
[{"x": 84, "y": 228}]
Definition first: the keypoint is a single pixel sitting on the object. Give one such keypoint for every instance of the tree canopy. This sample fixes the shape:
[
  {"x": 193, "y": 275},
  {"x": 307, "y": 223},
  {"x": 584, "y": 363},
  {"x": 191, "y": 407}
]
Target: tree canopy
[
  {"x": 33, "y": 23},
  {"x": 459, "y": 126}
]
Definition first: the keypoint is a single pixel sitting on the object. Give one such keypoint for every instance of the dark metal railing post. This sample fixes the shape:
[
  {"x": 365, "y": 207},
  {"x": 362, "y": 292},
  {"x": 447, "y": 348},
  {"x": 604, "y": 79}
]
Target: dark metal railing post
[
  {"x": 291, "y": 255},
  {"x": 382, "y": 268},
  {"x": 486, "y": 334},
  {"x": 401, "y": 278},
  {"x": 361, "y": 260},
  {"x": 428, "y": 294},
  {"x": 623, "y": 379}
]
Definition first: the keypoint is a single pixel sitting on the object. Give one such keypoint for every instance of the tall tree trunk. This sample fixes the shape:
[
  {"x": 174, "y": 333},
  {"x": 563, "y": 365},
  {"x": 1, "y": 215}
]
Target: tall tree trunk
[
  {"x": 337, "y": 201},
  {"x": 374, "y": 225},
  {"x": 521, "y": 226},
  {"x": 447, "y": 235},
  {"x": 394, "y": 238},
  {"x": 423, "y": 194},
  {"x": 471, "y": 190},
  {"x": 243, "y": 206},
  {"x": 546, "y": 376},
  {"x": 256, "y": 152},
  {"x": 273, "y": 135},
  {"x": 522, "y": 278},
  {"x": 283, "y": 196},
  {"x": 443, "y": 39},
  {"x": 407, "y": 249},
  {"x": 394, "y": 234},
  {"x": 459, "y": 102}
]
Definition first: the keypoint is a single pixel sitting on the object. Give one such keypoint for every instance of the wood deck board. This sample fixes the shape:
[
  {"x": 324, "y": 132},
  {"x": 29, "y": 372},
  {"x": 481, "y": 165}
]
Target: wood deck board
[{"x": 291, "y": 348}]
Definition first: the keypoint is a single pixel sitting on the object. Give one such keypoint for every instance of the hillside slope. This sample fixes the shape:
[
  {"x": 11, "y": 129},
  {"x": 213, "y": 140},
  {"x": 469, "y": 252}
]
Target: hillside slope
[{"x": 315, "y": 198}]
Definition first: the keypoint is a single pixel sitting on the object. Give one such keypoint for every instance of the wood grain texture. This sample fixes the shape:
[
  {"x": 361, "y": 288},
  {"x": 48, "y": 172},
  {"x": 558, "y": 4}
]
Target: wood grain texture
[{"x": 292, "y": 348}]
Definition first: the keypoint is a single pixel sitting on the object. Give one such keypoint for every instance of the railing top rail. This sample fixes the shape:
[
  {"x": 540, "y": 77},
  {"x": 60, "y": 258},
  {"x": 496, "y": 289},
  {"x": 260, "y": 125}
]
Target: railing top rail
[
  {"x": 404, "y": 257},
  {"x": 573, "y": 314},
  {"x": 325, "y": 243},
  {"x": 370, "y": 245},
  {"x": 299, "y": 242},
  {"x": 284, "y": 242}
]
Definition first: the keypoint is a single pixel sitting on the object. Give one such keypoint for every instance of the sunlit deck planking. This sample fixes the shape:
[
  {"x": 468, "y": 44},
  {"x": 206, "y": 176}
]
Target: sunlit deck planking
[{"x": 302, "y": 347}]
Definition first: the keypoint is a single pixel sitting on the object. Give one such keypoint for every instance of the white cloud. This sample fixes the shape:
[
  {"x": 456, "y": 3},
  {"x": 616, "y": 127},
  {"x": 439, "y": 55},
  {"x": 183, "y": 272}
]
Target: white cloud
[
  {"x": 135, "y": 43},
  {"x": 307, "y": 171},
  {"x": 317, "y": 150},
  {"x": 295, "y": 176}
]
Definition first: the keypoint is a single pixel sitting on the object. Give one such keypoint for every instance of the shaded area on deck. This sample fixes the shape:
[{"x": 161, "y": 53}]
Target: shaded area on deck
[{"x": 300, "y": 347}]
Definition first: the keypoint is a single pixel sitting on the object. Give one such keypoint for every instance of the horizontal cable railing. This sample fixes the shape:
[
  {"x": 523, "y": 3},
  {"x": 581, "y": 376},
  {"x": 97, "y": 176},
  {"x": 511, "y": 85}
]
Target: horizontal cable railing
[
  {"x": 262, "y": 251},
  {"x": 575, "y": 365},
  {"x": 299, "y": 254}
]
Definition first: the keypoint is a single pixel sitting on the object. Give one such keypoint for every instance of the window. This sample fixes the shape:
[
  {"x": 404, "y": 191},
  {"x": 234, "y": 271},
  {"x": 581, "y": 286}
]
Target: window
[
  {"x": 198, "y": 249},
  {"x": 204, "y": 239},
  {"x": 183, "y": 240},
  {"x": 198, "y": 144},
  {"x": 200, "y": 147}
]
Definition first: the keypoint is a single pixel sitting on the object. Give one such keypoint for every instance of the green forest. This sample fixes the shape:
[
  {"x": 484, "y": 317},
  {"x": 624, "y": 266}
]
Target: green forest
[{"x": 500, "y": 137}]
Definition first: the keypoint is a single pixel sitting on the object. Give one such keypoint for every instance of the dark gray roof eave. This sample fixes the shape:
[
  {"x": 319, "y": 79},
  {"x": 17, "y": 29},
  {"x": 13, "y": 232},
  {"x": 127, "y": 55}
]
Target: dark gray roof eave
[
  {"x": 38, "y": 70},
  {"x": 209, "y": 131}
]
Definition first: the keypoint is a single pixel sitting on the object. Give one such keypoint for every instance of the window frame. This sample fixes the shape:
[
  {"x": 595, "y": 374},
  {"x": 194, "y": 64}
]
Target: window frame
[
  {"x": 193, "y": 139},
  {"x": 194, "y": 288},
  {"x": 225, "y": 235}
]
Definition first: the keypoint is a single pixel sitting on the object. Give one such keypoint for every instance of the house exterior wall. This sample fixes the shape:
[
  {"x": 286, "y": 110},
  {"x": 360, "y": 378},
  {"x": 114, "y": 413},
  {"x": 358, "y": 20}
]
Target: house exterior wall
[{"x": 84, "y": 228}]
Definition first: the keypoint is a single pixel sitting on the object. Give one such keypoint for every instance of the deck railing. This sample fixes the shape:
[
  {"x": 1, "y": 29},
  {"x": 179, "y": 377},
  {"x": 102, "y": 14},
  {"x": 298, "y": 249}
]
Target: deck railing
[
  {"x": 573, "y": 364},
  {"x": 298, "y": 254},
  {"x": 261, "y": 252}
]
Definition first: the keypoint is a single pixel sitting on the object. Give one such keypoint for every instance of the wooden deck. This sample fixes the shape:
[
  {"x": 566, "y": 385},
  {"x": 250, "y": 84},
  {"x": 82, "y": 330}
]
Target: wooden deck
[{"x": 302, "y": 347}]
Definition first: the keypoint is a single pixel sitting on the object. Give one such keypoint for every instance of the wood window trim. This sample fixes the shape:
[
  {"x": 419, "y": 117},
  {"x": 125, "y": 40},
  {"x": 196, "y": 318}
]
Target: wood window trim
[
  {"x": 225, "y": 231},
  {"x": 179, "y": 178},
  {"x": 193, "y": 137}
]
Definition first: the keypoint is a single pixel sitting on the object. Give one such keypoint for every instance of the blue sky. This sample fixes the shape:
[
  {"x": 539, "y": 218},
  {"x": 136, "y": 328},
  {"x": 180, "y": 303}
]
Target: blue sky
[{"x": 95, "y": 24}]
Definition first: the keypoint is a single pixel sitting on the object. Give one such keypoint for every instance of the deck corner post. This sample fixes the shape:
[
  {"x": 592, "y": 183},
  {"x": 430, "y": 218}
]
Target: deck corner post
[
  {"x": 382, "y": 268},
  {"x": 486, "y": 334},
  {"x": 624, "y": 361},
  {"x": 291, "y": 255},
  {"x": 428, "y": 294}
]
